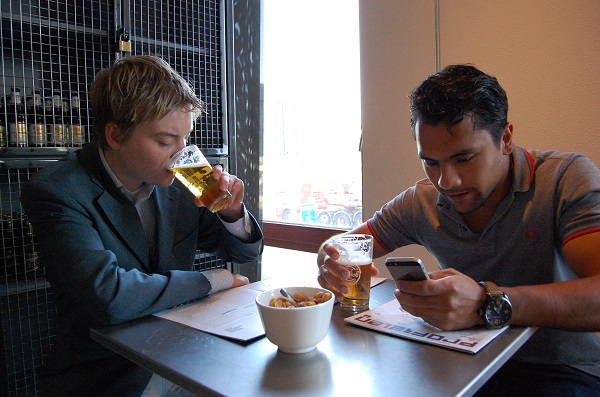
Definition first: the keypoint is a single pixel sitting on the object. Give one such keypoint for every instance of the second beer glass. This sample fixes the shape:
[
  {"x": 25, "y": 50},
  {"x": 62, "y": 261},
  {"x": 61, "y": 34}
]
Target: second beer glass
[
  {"x": 356, "y": 254},
  {"x": 193, "y": 170}
]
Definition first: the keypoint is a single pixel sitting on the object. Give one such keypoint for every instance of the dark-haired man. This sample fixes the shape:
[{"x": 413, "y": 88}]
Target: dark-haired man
[{"x": 512, "y": 229}]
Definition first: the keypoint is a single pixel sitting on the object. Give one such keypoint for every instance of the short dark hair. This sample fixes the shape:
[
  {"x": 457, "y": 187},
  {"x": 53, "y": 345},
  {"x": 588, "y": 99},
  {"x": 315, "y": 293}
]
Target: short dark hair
[{"x": 460, "y": 91}]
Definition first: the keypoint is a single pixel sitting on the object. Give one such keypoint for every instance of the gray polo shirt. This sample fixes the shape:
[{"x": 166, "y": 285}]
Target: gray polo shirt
[{"x": 554, "y": 197}]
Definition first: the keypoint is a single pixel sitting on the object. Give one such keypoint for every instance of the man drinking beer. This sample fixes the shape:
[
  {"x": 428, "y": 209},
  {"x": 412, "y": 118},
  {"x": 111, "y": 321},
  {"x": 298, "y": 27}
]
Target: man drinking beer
[{"x": 117, "y": 237}]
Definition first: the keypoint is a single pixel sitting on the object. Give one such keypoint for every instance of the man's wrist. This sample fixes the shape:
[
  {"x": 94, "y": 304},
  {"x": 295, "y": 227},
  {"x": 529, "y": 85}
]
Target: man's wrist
[
  {"x": 241, "y": 228},
  {"x": 496, "y": 311}
]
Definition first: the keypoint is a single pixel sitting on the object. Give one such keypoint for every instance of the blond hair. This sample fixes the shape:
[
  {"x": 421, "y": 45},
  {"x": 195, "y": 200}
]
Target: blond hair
[{"x": 136, "y": 90}]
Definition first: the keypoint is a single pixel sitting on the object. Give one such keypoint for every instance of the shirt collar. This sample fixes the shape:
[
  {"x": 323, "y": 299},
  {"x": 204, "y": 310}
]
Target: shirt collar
[
  {"x": 523, "y": 168},
  {"x": 140, "y": 195}
]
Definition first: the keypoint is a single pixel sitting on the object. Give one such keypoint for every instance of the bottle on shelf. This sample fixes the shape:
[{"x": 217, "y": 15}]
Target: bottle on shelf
[
  {"x": 48, "y": 118},
  {"x": 17, "y": 125},
  {"x": 3, "y": 129},
  {"x": 65, "y": 117},
  {"x": 36, "y": 123},
  {"x": 54, "y": 121},
  {"x": 76, "y": 131}
]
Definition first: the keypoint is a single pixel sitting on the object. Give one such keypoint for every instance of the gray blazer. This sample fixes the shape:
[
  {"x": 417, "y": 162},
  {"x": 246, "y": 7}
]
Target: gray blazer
[{"x": 98, "y": 262}]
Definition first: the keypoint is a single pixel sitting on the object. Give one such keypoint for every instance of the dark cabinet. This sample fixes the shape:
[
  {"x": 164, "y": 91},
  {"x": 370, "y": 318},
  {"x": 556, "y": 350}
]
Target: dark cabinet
[{"x": 51, "y": 52}]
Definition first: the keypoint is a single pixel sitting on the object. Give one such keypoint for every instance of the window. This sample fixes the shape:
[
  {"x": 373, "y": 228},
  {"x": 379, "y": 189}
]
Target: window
[{"x": 311, "y": 164}]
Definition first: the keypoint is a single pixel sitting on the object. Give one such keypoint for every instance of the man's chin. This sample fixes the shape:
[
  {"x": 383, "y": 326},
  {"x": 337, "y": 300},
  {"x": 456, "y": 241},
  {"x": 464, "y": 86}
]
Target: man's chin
[
  {"x": 165, "y": 182},
  {"x": 466, "y": 209}
]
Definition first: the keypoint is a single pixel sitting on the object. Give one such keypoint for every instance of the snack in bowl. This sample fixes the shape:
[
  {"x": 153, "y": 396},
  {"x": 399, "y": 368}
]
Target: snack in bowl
[
  {"x": 301, "y": 299},
  {"x": 296, "y": 329}
]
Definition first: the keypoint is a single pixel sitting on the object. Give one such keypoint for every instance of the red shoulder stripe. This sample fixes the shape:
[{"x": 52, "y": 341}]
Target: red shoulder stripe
[
  {"x": 377, "y": 238},
  {"x": 597, "y": 229}
]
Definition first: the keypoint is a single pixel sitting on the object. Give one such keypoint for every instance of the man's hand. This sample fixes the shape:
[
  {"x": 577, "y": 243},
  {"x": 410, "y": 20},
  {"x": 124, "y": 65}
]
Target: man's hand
[
  {"x": 449, "y": 300},
  {"x": 239, "y": 280},
  {"x": 235, "y": 208},
  {"x": 331, "y": 271}
]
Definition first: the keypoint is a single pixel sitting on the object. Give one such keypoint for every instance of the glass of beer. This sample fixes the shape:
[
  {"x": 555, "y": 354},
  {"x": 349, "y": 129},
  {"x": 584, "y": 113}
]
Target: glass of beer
[
  {"x": 193, "y": 170},
  {"x": 356, "y": 254}
]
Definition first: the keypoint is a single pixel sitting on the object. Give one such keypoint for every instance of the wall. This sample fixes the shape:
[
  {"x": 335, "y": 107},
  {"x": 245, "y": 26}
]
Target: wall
[
  {"x": 244, "y": 45},
  {"x": 544, "y": 53}
]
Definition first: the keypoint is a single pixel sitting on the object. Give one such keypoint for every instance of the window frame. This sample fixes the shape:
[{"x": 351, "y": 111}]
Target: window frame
[{"x": 298, "y": 237}]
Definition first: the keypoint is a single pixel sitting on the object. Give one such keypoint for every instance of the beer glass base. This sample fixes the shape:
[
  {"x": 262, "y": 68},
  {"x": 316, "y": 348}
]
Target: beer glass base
[
  {"x": 220, "y": 203},
  {"x": 354, "y": 307}
]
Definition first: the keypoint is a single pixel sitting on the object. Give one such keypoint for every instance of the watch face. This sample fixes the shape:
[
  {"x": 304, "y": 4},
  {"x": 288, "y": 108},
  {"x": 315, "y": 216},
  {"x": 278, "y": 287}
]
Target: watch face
[{"x": 498, "y": 311}]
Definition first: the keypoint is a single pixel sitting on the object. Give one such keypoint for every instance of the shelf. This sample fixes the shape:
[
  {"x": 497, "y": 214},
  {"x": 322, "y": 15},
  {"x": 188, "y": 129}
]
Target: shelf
[
  {"x": 31, "y": 157},
  {"x": 167, "y": 45},
  {"x": 23, "y": 29},
  {"x": 23, "y": 286},
  {"x": 39, "y": 22}
]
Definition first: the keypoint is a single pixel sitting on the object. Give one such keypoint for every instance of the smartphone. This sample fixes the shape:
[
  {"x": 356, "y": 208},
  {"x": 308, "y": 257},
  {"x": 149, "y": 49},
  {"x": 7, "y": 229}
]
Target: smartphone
[{"x": 406, "y": 268}]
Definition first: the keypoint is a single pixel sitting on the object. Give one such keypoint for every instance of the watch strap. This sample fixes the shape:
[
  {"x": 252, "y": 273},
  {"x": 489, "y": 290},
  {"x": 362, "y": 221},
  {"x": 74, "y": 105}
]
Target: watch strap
[{"x": 491, "y": 289}]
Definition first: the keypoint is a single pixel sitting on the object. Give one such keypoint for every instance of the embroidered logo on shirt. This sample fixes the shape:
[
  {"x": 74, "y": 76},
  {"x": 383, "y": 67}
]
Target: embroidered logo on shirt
[{"x": 531, "y": 235}]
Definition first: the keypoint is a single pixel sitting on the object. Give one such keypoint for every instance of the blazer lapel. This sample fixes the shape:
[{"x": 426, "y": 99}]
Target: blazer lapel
[
  {"x": 128, "y": 225},
  {"x": 124, "y": 218},
  {"x": 166, "y": 217}
]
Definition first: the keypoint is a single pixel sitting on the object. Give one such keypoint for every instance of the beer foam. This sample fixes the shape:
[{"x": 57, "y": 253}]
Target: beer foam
[
  {"x": 355, "y": 260},
  {"x": 188, "y": 157},
  {"x": 190, "y": 165},
  {"x": 353, "y": 251}
]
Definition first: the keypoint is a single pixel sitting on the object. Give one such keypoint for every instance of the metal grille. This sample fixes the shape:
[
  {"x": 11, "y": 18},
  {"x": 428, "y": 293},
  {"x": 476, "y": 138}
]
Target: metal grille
[
  {"x": 20, "y": 260},
  {"x": 57, "y": 49},
  {"x": 56, "y": 52},
  {"x": 190, "y": 41},
  {"x": 54, "y": 49},
  {"x": 206, "y": 261},
  {"x": 28, "y": 313},
  {"x": 27, "y": 309}
]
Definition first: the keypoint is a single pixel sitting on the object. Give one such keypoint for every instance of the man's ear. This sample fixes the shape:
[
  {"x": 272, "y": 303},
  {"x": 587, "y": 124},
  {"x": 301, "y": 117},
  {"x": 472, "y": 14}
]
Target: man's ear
[
  {"x": 113, "y": 135},
  {"x": 507, "y": 145}
]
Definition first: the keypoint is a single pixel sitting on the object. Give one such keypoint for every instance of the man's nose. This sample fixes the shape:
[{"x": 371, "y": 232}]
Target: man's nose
[
  {"x": 449, "y": 178},
  {"x": 181, "y": 143}
]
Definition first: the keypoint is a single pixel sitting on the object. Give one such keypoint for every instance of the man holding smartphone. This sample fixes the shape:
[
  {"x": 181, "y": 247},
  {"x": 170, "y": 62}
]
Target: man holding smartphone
[{"x": 516, "y": 234}]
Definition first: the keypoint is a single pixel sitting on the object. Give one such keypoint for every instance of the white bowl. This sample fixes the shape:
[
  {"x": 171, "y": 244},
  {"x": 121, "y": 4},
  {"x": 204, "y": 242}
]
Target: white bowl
[{"x": 297, "y": 329}]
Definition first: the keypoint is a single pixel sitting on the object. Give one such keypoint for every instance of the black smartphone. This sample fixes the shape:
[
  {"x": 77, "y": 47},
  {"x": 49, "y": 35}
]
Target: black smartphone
[{"x": 406, "y": 268}]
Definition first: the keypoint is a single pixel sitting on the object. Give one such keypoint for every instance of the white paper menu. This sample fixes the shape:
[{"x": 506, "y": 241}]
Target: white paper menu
[
  {"x": 391, "y": 319},
  {"x": 232, "y": 313}
]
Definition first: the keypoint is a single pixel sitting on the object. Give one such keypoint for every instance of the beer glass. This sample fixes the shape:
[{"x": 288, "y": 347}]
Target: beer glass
[
  {"x": 356, "y": 254},
  {"x": 193, "y": 170}
]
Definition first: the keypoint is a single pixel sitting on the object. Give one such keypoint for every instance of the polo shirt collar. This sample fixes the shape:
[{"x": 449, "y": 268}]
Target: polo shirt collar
[{"x": 523, "y": 169}]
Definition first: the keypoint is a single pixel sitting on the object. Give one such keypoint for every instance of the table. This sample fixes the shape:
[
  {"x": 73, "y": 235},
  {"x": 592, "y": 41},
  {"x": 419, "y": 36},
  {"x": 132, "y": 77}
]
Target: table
[{"x": 350, "y": 360}]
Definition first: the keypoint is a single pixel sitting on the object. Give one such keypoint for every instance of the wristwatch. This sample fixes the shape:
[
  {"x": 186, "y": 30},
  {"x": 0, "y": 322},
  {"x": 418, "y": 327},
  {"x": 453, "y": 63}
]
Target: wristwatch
[{"x": 497, "y": 310}]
